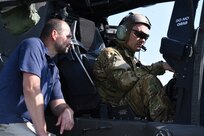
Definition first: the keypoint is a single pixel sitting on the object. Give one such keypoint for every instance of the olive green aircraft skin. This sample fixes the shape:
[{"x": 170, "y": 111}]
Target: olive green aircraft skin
[{"x": 93, "y": 118}]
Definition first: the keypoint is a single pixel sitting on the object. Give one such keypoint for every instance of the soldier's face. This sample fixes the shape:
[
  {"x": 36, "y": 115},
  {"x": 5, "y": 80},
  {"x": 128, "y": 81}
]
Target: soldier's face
[{"x": 138, "y": 37}]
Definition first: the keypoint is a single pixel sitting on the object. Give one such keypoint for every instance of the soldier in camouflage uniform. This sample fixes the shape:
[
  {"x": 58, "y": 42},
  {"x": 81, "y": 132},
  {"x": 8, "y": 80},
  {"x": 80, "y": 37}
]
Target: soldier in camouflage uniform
[{"x": 122, "y": 80}]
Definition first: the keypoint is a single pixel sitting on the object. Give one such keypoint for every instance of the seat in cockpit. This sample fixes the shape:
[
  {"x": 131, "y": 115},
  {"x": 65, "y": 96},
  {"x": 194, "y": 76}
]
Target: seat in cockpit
[{"x": 76, "y": 67}]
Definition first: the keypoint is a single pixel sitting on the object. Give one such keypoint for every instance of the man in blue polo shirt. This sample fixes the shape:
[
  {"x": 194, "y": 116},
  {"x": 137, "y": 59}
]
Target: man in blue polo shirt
[{"x": 30, "y": 80}]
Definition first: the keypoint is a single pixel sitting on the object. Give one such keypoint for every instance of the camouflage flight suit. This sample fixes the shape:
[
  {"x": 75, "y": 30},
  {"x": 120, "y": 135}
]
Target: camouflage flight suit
[{"x": 121, "y": 80}]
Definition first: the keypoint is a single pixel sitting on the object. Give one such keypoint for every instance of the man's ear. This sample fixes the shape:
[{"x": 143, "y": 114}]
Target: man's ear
[{"x": 54, "y": 34}]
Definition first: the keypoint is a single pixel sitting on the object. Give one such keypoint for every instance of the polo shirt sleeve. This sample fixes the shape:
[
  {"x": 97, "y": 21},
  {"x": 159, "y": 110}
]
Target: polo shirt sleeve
[{"x": 30, "y": 57}]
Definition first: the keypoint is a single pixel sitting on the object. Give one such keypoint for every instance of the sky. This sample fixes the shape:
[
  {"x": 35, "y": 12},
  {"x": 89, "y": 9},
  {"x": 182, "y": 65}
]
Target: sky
[{"x": 159, "y": 16}]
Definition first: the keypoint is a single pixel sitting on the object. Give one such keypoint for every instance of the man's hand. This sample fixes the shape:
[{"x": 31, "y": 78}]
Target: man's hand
[
  {"x": 65, "y": 120},
  {"x": 64, "y": 113}
]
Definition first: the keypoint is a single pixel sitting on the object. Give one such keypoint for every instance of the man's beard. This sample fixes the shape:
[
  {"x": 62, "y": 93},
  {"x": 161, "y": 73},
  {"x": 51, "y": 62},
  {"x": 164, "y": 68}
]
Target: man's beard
[{"x": 59, "y": 49}]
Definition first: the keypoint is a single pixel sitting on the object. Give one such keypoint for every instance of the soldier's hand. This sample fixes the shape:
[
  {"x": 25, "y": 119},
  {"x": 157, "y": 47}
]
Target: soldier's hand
[{"x": 166, "y": 66}]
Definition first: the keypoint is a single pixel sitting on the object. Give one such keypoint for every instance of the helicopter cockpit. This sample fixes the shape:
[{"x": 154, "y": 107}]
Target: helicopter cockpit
[{"x": 182, "y": 49}]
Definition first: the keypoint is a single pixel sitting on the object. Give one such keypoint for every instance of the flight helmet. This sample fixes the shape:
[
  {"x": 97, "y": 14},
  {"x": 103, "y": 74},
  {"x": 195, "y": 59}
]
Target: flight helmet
[{"x": 126, "y": 24}]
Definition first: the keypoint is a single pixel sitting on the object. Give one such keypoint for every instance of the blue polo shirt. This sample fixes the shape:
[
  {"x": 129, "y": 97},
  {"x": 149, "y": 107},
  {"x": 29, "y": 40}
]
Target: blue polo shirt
[{"x": 30, "y": 56}]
